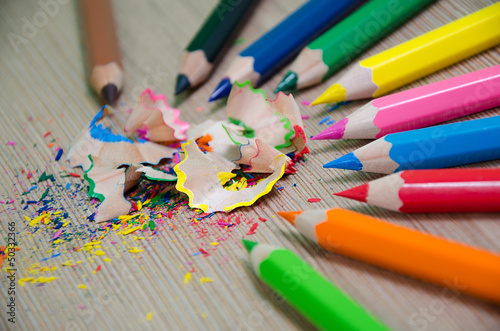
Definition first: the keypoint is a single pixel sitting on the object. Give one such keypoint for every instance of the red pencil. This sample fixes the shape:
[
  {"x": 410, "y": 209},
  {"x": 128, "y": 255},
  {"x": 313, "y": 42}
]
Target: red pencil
[{"x": 433, "y": 191}]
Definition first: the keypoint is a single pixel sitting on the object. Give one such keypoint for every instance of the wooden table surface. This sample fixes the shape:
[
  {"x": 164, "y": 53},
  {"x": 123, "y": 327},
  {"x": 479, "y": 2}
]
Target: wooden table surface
[{"x": 43, "y": 87}]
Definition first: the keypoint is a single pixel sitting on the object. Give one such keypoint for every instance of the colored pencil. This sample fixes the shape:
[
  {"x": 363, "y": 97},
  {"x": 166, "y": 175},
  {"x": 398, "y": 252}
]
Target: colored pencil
[
  {"x": 325, "y": 305},
  {"x": 433, "y": 191},
  {"x": 204, "y": 49},
  {"x": 104, "y": 62},
  {"x": 429, "y": 148},
  {"x": 279, "y": 45},
  {"x": 418, "y": 57},
  {"x": 410, "y": 252},
  {"x": 342, "y": 43},
  {"x": 420, "y": 107}
]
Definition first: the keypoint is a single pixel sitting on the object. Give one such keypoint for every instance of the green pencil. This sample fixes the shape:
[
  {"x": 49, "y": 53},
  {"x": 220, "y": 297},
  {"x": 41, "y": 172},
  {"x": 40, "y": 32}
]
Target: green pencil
[
  {"x": 341, "y": 44},
  {"x": 326, "y": 306},
  {"x": 208, "y": 43}
]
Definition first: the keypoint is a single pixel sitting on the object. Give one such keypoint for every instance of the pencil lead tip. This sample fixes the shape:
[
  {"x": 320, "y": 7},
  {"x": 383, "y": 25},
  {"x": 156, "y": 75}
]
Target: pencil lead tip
[
  {"x": 288, "y": 83},
  {"x": 358, "y": 193},
  {"x": 249, "y": 245},
  {"x": 109, "y": 93},
  {"x": 222, "y": 90},
  {"x": 289, "y": 215},
  {"x": 335, "y": 93},
  {"x": 182, "y": 84},
  {"x": 336, "y": 131},
  {"x": 348, "y": 162}
]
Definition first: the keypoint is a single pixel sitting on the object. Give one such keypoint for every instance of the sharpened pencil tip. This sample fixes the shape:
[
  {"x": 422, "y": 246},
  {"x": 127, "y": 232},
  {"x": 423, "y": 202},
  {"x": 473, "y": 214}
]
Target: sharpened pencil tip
[
  {"x": 336, "y": 131},
  {"x": 222, "y": 90},
  {"x": 288, "y": 83},
  {"x": 335, "y": 93},
  {"x": 348, "y": 162},
  {"x": 249, "y": 245},
  {"x": 358, "y": 193},
  {"x": 109, "y": 93},
  {"x": 289, "y": 215},
  {"x": 182, "y": 84}
]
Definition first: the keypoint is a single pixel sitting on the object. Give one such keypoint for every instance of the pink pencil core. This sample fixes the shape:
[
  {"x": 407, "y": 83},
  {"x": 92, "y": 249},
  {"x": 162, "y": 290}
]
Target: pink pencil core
[{"x": 336, "y": 131}]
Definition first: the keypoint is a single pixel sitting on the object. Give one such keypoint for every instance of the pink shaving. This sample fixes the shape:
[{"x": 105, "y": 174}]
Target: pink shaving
[{"x": 176, "y": 122}]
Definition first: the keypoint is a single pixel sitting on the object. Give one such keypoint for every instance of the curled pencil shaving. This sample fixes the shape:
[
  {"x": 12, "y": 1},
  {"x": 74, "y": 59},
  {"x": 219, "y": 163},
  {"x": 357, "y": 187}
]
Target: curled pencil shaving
[
  {"x": 156, "y": 174},
  {"x": 256, "y": 153},
  {"x": 161, "y": 121},
  {"x": 248, "y": 107},
  {"x": 227, "y": 141},
  {"x": 109, "y": 184},
  {"x": 285, "y": 105},
  {"x": 221, "y": 142},
  {"x": 202, "y": 176},
  {"x": 100, "y": 141},
  {"x": 260, "y": 156}
]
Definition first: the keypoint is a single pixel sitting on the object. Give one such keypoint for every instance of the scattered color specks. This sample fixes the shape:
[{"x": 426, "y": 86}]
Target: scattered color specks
[
  {"x": 59, "y": 154},
  {"x": 324, "y": 120},
  {"x": 312, "y": 200}
]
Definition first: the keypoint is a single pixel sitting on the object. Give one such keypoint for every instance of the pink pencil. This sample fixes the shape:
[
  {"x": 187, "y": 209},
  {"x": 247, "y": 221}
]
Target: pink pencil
[{"x": 420, "y": 107}]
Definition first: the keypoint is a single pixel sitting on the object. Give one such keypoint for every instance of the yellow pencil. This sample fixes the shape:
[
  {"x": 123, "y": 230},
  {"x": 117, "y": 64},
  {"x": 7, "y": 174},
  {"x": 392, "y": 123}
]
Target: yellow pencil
[{"x": 418, "y": 57}]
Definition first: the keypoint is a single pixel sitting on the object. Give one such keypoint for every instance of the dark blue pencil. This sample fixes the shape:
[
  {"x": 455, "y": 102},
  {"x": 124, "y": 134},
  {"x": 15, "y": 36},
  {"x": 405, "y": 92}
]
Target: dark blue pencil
[{"x": 281, "y": 44}]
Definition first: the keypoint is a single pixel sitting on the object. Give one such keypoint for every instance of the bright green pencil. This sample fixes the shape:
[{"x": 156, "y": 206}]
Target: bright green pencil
[
  {"x": 341, "y": 44},
  {"x": 326, "y": 306}
]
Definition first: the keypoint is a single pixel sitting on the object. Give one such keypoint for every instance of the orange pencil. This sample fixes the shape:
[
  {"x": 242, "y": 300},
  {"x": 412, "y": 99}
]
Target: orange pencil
[{"x": 437, "y": 260}]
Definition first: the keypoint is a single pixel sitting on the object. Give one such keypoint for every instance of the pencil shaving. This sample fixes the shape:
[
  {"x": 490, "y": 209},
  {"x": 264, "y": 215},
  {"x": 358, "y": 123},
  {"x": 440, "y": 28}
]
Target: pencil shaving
[
  {"x": 156, "y": 174},
  {"x": 223, "y": 136},
  {"x": 285, "y": 105},
  {"x": 109, "y": 184},
  {"x": 100, "y": 141},
  {"x": 248, "y": 107},
  {"x": 161, "y": 122},
  {"x": 203, "y": 177},
  {"x": 260, "y": 156}
]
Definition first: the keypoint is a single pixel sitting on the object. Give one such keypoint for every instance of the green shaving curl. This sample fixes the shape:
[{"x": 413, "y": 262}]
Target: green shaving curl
[
  {"x": 91, "y": 193},
  {"x": 287, "y": 137},
  {"x": 247, "y": 131}
]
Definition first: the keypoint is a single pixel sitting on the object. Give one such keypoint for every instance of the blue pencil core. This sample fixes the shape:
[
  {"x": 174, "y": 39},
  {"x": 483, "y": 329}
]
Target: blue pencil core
[
  {"x": 222, "y": 90},
  {"x": 348, "y": 161}
]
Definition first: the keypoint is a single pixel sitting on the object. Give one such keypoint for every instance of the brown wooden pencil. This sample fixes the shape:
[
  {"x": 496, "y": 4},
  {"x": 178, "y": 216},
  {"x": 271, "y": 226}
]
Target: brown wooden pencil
[{"x": 104, "y": 62}]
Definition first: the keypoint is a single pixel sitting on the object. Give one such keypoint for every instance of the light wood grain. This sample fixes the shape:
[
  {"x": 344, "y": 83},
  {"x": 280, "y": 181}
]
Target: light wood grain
[{"x": 45, "y": 78}]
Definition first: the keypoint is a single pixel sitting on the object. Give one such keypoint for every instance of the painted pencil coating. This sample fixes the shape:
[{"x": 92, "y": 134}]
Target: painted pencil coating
[
  {"x": 319, "y": 300},
  {"x": 279, "y": 45},
  {"x": 448, "y": 145},
  {"x": 420, "y": 107},
  {"x": 433, "y": 191},
  {"x": 451, "y": 190},
  {"x": 433, "y": 259},
  {"x": 218, "y": 27},
  {"x": 209, "y": 41},
  {"x": 428, "y": 148},
  {"x": 435, "y": 50},
  {"x": 438, "y": 102},
  {"x": 418, "y": 57},
  {"x": 293, "y": 33},
  {"x": 349, "y": 38},
  {"x": 104, "y": 62}
]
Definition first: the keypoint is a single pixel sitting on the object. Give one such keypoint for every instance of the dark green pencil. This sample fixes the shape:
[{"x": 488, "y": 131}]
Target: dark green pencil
[{"x": 210, "y": 39}]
